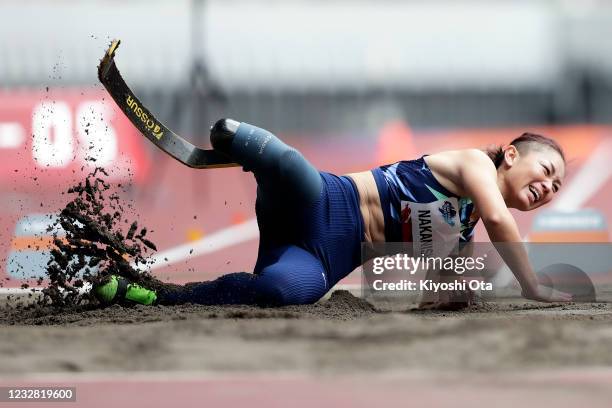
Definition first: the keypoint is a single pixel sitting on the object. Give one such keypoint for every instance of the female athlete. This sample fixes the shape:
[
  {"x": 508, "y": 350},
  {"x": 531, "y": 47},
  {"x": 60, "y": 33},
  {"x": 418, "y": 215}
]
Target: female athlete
[{"x": 312, "y": 223}]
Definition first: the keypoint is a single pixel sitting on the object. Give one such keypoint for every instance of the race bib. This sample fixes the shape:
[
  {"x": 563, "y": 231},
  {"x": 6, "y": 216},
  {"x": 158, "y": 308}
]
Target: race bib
[{"x": 434, "y": 228}]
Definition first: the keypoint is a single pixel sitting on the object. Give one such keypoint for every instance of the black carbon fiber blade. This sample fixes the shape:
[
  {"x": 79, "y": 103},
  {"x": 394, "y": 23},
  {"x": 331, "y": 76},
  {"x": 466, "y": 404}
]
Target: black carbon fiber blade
[{"x": 148, "y": 125}]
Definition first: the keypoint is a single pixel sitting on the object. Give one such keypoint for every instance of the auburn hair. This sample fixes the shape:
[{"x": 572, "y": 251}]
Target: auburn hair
[{"x": 522, "y": 144}]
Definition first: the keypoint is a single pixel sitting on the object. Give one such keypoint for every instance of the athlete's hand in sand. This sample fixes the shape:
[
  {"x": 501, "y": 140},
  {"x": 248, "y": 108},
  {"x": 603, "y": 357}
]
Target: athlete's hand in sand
[
  {"x": 548, "y": 295},
  {"x": 447, "y": 300}
]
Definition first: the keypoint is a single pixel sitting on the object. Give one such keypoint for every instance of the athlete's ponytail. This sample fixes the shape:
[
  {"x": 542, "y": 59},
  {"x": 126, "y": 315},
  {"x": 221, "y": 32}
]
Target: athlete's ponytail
[{"x": 523, "y": 143}]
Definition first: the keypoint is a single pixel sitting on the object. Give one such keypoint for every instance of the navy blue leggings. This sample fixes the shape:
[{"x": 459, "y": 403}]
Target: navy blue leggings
[{"x": 310, "y": 230}]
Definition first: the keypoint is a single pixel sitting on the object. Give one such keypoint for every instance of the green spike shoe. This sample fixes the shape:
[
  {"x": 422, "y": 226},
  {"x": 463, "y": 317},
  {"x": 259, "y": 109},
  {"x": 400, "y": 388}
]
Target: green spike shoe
[{"x": 118, "y": 290}]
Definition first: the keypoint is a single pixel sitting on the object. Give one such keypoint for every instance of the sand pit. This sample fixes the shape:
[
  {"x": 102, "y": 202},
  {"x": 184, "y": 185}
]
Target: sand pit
[{"x": 343, "y": 334}]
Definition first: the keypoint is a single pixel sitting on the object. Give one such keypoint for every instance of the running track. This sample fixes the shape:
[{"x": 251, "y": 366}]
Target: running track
[{"x": 557, "y": 389}]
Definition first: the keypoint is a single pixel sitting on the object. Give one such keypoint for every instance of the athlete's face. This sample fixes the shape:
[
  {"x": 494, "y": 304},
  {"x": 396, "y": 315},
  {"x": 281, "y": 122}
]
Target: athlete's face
[{"x": 533, "y": 177}]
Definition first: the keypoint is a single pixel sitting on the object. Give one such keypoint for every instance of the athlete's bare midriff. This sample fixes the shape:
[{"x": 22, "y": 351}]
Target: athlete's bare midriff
[
  {"x": 369, "y": 204},
  {"x": 444, "y": 169}
]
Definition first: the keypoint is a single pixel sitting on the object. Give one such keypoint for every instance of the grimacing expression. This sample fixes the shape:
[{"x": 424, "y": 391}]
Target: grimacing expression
[{"x": 533, "y": 177}]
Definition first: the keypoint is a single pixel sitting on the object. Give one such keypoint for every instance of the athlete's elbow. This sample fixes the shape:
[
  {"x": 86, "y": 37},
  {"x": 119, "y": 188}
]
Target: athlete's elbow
[{"x": 497, "y": 220}]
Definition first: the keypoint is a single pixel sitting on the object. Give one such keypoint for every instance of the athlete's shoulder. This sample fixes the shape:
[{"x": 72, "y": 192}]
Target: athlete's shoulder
[
  {"x": 461, "y": 168},
  {"x": 475, "y": 154},
  {"x": 475, "y": 159},
  {"x": 456, "y": 159}
]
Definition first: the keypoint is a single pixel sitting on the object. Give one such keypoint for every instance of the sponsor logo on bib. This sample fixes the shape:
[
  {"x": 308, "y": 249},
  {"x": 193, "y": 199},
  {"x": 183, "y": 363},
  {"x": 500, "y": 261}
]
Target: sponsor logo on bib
[{"x": 448, "y": 213}]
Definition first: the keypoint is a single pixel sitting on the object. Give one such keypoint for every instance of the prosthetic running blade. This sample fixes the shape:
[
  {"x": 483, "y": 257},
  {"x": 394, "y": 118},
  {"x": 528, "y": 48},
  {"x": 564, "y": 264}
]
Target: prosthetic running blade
[{"x": 148, "y": 125}]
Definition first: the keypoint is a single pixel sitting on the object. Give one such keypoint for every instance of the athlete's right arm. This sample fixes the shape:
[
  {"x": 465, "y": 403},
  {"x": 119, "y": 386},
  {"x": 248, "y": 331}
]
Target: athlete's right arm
[{"x": 478, "y": 178}]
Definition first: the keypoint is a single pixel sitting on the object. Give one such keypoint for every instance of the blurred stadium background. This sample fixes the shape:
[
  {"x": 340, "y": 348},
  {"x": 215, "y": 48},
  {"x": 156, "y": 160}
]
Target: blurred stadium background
[{"x": 353, "y": 84}]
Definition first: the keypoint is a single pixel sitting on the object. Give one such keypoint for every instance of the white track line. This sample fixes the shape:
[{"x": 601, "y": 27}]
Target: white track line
[
  {"x": 217, "y": 241},
  {"x": 221, "y": 239},
  {"x": 19, "y": 291},
  {"x": 37, "y": 289},
  {"x": 591, "y": 177}
]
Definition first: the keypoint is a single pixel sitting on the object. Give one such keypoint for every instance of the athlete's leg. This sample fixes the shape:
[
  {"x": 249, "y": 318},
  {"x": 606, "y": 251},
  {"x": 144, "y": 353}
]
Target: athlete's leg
[
  {"x": 283, "y": 175},
  {"x": 287, "y": 275}
]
